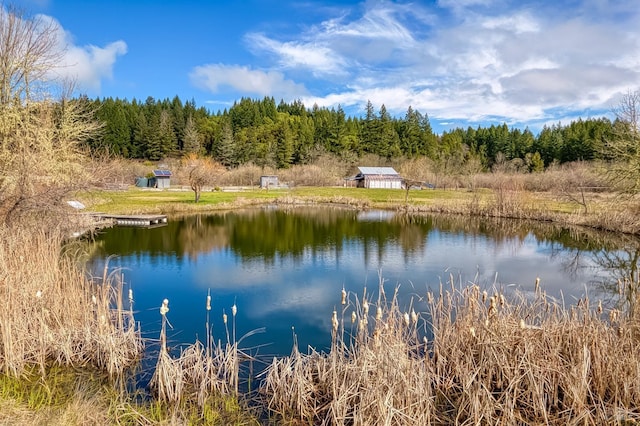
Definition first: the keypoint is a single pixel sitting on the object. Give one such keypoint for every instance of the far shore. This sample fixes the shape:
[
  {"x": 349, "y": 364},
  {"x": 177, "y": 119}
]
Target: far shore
[{"x": 597, "y": 210}]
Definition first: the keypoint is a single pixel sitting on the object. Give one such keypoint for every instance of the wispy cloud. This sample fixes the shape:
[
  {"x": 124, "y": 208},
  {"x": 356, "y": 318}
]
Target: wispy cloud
[
  {"x": 315, "y": 56},
  {"x": 215, "y": 77}
]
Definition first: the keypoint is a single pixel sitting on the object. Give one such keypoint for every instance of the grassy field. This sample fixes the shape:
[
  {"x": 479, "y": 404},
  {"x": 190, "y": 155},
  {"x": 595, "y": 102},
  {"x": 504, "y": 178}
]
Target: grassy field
[{"x": 137, "y": 200}]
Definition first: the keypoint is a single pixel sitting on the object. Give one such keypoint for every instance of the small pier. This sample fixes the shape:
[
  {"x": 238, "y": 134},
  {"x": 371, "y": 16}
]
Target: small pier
[{"x": 146, "y": 221}]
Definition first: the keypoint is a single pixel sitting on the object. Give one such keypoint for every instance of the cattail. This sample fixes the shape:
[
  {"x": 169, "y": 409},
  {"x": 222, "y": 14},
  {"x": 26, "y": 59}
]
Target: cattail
[
  {"x": 365, "y": 307},
  {"x": 484, "y": 296},
  {"x": 130, "y": 295},
  {"x": 414, "y": 317},
  {"x": 406, "y": 319},
  {"x": 334, "y": 320},
  {"x": 165, "y": 307},
  {"x": 208, "y": 303},
  {"x": 344, "y": 297},
  {"x": 522, "y": 324},
  {"x": 39, "y": 294},
  {"x": 224, "y": 317},
  {"x": 379, "y": 313},
  {"x": 537, "y": 284},
  {"x": 353, "y": 317},
  {"x": 599, "y": 309},
  {"x": 234, "y": 310},
  {"x": 502, "y": 301},
  {"x": 613, "y": 315},
  {"x": 430, "y": 297}
]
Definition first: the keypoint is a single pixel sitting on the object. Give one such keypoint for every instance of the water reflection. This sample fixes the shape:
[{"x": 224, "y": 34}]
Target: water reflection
[{"x": 285, "y": 267}]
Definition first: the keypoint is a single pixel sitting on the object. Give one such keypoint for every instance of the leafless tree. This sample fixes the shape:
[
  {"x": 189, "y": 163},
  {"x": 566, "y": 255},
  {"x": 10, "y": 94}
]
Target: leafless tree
[
  {"x": 623, "y": 147},
  {"x": 203, "y": 171},
  {"x": 40, "y": 139}
]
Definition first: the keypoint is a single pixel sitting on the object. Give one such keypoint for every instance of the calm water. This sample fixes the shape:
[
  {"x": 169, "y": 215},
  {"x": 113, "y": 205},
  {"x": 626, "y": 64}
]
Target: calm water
[{"x": 285, "y": 268}]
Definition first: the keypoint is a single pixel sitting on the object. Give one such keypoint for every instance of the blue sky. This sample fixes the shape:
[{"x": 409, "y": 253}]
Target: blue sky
[{"x": 462, "y": 62}]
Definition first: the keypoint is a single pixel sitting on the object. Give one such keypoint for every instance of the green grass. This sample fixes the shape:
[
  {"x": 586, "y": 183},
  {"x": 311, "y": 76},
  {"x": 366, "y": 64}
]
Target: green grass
[{"x": 138, "y": 201}]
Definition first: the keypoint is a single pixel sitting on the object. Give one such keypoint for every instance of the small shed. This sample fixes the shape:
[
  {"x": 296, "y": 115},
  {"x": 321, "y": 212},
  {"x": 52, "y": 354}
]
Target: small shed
[
  {"x": 267, "y": 182},
  {"x": 162, "y": 178},
  {"x": 378, "y": 177}
]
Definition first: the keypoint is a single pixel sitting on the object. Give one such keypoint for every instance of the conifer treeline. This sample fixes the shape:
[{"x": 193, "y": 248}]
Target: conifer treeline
[{"x": 280, "y": 135}]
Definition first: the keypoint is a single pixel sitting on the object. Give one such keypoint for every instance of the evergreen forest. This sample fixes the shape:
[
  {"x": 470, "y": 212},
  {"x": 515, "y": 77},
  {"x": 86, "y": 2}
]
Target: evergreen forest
[{"x": 278, "y": 135}]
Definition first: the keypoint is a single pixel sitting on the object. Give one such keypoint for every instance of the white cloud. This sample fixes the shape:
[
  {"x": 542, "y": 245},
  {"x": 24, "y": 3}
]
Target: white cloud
[
  {"x": 213, "y": 77},
  {"x": 87, "y": 65},
  {"x": 316, "y": 57}
]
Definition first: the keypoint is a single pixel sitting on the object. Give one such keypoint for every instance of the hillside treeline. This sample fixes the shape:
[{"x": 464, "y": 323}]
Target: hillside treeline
[{"x": 280, "y": 135}]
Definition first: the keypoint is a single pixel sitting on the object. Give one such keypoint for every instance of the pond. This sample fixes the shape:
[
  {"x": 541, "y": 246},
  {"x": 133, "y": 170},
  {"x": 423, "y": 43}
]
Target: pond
[{"x": 285, "y": 268}]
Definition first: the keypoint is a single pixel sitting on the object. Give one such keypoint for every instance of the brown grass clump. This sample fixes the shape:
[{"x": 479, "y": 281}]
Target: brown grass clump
[
  {"x": 204, "y": 379},
  {"x": 471, "y": 358},
  {"x": 52, "y": 314}
]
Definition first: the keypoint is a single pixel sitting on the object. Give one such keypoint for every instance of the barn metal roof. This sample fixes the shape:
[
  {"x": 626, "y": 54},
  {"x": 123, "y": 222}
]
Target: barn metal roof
[{"x": 378, "y": 171}]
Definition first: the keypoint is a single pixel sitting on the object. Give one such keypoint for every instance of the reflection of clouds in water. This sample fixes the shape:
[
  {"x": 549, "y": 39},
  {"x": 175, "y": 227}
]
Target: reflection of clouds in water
[{"x": 306, "y": 289}]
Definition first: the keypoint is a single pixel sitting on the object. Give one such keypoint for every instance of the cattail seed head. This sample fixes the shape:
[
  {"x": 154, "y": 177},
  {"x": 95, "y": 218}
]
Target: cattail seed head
[
  {"x": 378, "y": 313},
  {"x": 130, "y": 295},
  {"x": 537, "y": 284},
  {"x": 165, "y": 307},
  {"x": 353, "y": 317},
  {"x": 234, "y": 310},
  {"x": 224, "y": 318},
  {"x": 414, "y": 317},
  {"x": 484, "y": 296},
  {"x": 502, "y": 301},
  {"x": 344, "y": 297},
  {"x": 599, "y": 308},
  {"x": 208, "y": 303},
  {"x": 334, "y": 320},
  {"x": 365, "y": 308},
  {"x": 430, "y": 297},
  {"x": 406, "y": 319}
]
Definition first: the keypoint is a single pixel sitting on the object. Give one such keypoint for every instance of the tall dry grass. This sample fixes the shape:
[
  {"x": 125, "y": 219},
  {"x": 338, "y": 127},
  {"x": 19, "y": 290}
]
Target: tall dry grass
[
  {"x": 470, "y": 358},
  {"x": 203, "y": 375},
  {"x": 52, "y": 313}
]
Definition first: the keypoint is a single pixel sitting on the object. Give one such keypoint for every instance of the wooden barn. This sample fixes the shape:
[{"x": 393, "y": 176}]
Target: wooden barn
[{"x": 378, "y": 177}]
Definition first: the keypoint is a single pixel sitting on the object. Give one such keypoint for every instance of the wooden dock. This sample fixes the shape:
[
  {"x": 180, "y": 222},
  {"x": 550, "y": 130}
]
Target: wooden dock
[{"x": 147, "y": 221}]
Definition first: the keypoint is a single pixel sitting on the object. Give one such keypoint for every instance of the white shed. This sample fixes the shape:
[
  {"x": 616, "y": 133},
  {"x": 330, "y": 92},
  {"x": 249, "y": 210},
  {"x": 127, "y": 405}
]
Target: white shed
[{"x": 378, "y": 177}]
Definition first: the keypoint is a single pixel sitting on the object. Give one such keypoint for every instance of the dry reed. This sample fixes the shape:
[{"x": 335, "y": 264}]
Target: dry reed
[
  {"x": 54, "y": 314},
  {"x": 471, "y": 358}
]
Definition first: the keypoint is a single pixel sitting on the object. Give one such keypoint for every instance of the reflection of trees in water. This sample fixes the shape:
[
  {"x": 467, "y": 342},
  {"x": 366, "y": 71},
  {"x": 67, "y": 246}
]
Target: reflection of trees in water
[
  {"x": 616, "y": 256},
  {"x": 623, "y": 281}
]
